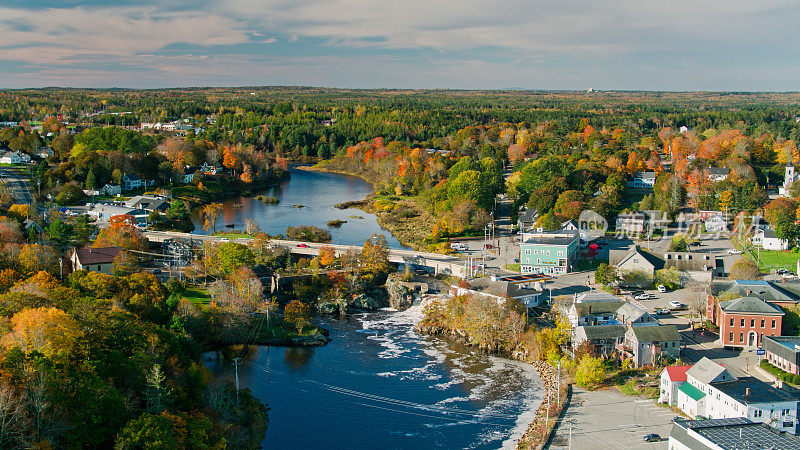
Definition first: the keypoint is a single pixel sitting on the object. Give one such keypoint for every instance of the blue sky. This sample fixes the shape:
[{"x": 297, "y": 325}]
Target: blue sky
[{"x": 464, "y": 44}]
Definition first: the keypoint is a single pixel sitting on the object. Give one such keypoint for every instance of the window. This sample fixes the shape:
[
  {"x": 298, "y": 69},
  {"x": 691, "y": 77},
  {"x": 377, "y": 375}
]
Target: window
[
  {"x": 536, "y": 252},
  {"x": 762, "y": 323},
  {"x": 527, "y": 251},
  {"x": 538, "y": 260},
  {"x": 548, "y": 253},
  {"x": 731, "y": 321},
  {"x": 773, "y": 323},
  {"x": 741, "y": 324},
  {"x": 560, "y": 253},
  {"x": 527, "y": 260},
  {"x": 752, "y": 323},
  {"x": 730, "y": 336},
  {"x": 741, "y": 337}
]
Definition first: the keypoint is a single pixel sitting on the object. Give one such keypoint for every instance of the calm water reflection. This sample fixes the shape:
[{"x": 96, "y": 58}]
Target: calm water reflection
[{"x": 318, "y": 192}]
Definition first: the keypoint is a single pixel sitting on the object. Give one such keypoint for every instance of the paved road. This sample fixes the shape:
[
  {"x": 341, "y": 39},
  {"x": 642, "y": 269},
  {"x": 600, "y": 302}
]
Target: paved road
[
  {"x": 17, "y": 184},
  {"x": 607, "y": 419}
]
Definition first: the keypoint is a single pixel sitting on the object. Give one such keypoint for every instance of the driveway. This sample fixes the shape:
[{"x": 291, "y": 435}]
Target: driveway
[{"x": 610, "y": 419}]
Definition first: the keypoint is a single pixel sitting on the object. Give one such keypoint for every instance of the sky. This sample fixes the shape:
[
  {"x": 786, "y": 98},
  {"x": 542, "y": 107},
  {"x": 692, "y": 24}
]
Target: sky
[{"x": 668, "y": 45}]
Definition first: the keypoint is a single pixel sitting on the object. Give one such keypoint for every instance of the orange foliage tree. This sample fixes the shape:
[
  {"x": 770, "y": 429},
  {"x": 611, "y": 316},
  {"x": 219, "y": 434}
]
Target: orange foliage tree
[
  {"x": 121, "y": 234},
  {"x": 49, "y": 331}
]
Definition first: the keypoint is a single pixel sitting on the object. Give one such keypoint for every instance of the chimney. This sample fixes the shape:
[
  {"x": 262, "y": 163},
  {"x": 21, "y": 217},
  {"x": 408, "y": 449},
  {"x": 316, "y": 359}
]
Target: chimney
[
  {"x": 590, "y": 308},
  {"x": 747, "y": 392},
  {"x": 748, "y": 292}
]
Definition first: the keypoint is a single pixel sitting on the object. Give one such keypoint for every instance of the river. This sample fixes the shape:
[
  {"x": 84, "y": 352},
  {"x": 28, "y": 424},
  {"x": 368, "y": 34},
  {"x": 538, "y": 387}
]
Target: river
[
  {"x": 378, "y": 384},
  {"x": 318, "y": 192}
]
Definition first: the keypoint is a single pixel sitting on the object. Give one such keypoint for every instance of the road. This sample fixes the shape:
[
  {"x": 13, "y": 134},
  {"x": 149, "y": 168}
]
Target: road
[{"x": 17, "y": 185}]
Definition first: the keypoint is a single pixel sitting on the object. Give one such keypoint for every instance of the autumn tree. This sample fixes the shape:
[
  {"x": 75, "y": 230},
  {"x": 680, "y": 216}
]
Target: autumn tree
[
  {"x": 298, "y": 314},
  {"x": 375, "y": 256},
  {"x": 121, "y": 234},
  {"x": 210, "y": 213},
  {"x": 327, "y": 255},
  {"x": 745, "y": 269},
  {"x": 247, "y": 174},
  {"x": 10, "y": 231},
  {"x": 125, "y": 263},
  {"x": 36, "y": 257},
  {"x": 589, "y": 373},
  {"x": 49, "y": 331}
]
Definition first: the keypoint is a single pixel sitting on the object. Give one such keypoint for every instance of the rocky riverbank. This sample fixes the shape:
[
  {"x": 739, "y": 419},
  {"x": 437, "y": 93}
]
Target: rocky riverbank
[{"x": 538, "y": 431}]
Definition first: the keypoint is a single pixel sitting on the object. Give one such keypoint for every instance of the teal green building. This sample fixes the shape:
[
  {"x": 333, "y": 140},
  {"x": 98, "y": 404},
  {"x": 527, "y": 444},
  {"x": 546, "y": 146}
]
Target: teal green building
[{"x": 549, "y": 252}]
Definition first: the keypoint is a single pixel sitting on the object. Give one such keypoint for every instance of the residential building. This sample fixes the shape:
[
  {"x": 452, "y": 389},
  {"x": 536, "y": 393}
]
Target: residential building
[
  {"x": 603, "y": 338},
  {"x": 712, "y": 392},
  {"x": 147, "y": 202},
  {"x": 634, "y": 260},
  {"x": 717, "y": 173},
  {"x": 642, "y": 180},
  {"x": 596, "y": 295},
  {"x": 95, "y": 259},
  {"x": 648, "y": 345},
  {"x": 672, "y": 377},
  {"x": 15, "y": 158},
  {"x": 744, "y": 321},
  {"x": 550, "y": 252},
  {"x": 783, "y": 352},
  {"x": 716, "y": 224},
  {"x": 526, "y": 218},
  {"x": 131, "y": 181},
  {"x": 631, "y": 222},
  {"x": 28, "y": 223},
  {"x": 767, "y": 239},
  {"x": 188, "y": 174},
  {"x": 790, "y": 176},
  {"x": 110, "y": 190},
  {"x": 572, "y": 225},
  {"x": 727, "y": 434},
  {"x": 630, "y": 314},
  {"x": 210, "y": 169},
  {"x": 700, "y": 267},
  {"x": 593, "y": 313},
  {"x": 526, "y": 293}
]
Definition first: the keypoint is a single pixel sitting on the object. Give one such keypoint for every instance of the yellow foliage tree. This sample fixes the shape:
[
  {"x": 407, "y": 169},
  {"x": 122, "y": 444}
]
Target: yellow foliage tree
[
  {"x": 35, "y": 258},
  {"x": 49, "y": 331},
  {"x": 327, "y": 255}
]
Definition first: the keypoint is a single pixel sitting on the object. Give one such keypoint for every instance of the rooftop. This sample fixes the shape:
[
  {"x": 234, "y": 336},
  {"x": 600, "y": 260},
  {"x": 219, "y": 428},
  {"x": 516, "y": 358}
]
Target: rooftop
[
  {"x": 677, "y": 373},
  {"x": 752, "y": 305},
  {"x": 102, "y": 255},
  {"x": 656, "y": 333},
  {"x": 597, "y": 308},
  {"x": 691, "y": 391},
  {"x": 596, "y": 296},
  {"x": 760, "y": 392},
  {"x": 602, "y": 331},
  {"x": 767, "y": 291},
  {"x": 734, "y": 433},
  {"x": 501, "y": 288},
  {"x": 705, "y": 370}
]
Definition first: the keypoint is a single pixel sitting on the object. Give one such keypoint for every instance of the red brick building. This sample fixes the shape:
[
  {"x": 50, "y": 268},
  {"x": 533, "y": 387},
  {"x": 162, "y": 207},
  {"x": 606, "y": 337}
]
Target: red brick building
[{"x": 743, "y": 322}]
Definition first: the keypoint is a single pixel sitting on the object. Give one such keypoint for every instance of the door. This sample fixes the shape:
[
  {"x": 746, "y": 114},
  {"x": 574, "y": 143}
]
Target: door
[{"x": 752, "y": 339}]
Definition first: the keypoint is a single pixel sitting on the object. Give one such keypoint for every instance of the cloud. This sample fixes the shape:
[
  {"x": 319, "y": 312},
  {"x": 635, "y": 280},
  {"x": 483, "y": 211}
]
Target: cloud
[{"x": 624, "y": 44}]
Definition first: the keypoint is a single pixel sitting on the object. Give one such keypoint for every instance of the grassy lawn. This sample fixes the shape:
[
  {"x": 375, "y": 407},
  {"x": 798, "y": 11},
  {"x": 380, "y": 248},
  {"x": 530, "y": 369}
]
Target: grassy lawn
[
  {"x": 587, "y": 264},
  {"x": 197, "y": 295},
  {"x": 777, "y": 259},
  {"x": 512, "y": 267}
]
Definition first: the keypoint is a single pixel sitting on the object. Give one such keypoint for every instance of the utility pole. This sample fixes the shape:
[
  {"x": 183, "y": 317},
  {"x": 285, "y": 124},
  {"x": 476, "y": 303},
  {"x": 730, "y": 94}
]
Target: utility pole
[
  {"x": 236, "y": 365},
  {"x": 547, "y": 411},
  {"x": 569, "y": 445}
]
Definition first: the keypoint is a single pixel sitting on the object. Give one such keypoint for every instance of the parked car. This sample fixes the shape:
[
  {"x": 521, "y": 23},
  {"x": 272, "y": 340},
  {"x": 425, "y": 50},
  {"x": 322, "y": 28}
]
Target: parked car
[
  {"x": 662, "y": 288},
  {"x": 674, "y": 304},
  {"x": 787, "y": 274},
  {"x": 642, "y": 296},
  {"x": 224, "y": 240},
  {"x": 302, "y": 245},
  {"x": 662, "y": 311},
  {"x": 733, "y": 251},
  {"x": 488, "y": 246},
  {"x": 652, "y": 438}
]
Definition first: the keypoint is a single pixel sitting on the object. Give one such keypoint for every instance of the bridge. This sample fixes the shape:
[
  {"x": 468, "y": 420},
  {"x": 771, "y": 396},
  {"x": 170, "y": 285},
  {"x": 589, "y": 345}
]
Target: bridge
[{"x": 440, "y": 264}]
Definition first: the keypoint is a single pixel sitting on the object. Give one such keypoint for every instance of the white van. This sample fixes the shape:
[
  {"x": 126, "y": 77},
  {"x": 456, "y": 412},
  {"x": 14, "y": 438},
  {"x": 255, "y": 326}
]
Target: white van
[{"x": 459, "y": 246}]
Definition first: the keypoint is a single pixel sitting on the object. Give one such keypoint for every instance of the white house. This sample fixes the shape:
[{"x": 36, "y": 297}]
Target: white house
[
  {"x": 529, "y": 294},
  {"x": 15, "y": 158},
  {"x": 672, "y": 377},
  {"x": 95, "y": 259},
  {"x": 210, "y": 169},
  {"x": 767, "y": 239},
  {"x": 642, "y": 180},
  {"x": 716, "y": 223},
  {"x": 131, "y": 181},
  {"x": 790, "y": 176},
  {"x": 717, "y": 173},
  {"x": 712, "y": 392},
  {"x": 110, "y": 189}
]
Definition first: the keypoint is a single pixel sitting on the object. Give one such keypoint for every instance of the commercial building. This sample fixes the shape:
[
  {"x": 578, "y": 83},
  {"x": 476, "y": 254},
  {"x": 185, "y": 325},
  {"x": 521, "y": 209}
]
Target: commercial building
[
  {"x": 549, "y": 252},
  {"x": 95, "y": 259},
  {"x": 672, "y": 378},
  {"x": 712, "y": 392},
  {"x": 744, "y": 322},
  {"x": 783, "y": 352},
  {"x": 728, "y": 434}
]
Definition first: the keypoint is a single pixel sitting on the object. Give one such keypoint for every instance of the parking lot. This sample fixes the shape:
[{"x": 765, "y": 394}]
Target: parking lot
[{"x": 610, "y": 419}]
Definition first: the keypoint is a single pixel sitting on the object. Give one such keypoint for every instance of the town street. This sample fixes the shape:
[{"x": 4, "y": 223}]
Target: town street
[{"x": 17, "y": 185}]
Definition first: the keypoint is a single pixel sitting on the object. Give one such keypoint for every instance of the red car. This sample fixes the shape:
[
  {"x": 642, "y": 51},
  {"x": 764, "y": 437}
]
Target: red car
[{"x": 302, "y": 245}]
